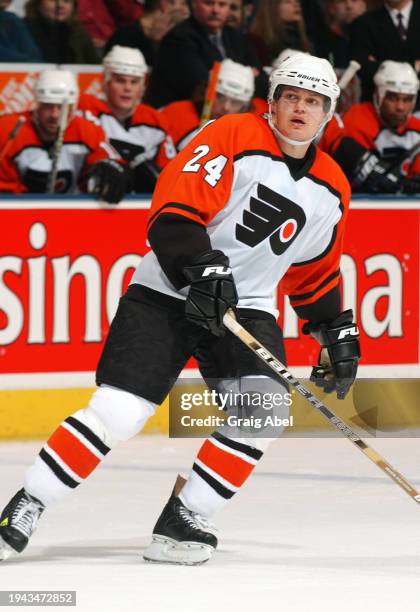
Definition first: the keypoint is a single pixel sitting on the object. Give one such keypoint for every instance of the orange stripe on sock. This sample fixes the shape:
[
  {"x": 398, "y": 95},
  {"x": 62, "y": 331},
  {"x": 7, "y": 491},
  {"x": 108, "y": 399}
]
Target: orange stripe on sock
[
  {"x": 232, "y": 468},
  {"x": 74, "y": 454}
]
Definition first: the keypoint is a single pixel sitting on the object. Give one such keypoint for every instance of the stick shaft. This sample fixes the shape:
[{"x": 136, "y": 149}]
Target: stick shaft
[
  {"x": 348, "y": 74},
  {"x": 210, "y": 93},
  {"x": 252, "y": 343},
  {"x": 62, "y": 124}
]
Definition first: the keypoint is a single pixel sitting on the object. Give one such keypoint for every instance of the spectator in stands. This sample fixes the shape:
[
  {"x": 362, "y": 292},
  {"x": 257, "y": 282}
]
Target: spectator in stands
[
  {"x": 234, "y": 91},
  {"x": 189, "y": 50},
  {"x": 390, "y": 32},
  {"x": 237, "y": 14},
  {"x": 341, "y": 13},
  {"x": 100, "y": 18},
  {"x": 376, "y": 148},
  {"x": 146, "y": 32},
  {"x": 125, "y": 11},
  {"x": 137, "y": 131},
  {"x": 316, "y": 26},
  {"x": 56, "y": 29},
  {"x": 16, "y": 43},
  {"x": 277, "y": 25},
  {"x": 28, "y": 146},
  {"x": 97, "y": 20}
]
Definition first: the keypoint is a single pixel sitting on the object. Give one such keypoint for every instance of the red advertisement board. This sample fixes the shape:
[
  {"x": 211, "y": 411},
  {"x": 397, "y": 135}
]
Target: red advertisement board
[{"x": 63, "y": 269}]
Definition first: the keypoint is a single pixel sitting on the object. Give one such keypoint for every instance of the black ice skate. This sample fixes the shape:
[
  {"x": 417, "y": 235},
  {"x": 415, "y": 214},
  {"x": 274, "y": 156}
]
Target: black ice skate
[
  {"x": 18, "y": 522},
  {"x": 180, "y": 536}
]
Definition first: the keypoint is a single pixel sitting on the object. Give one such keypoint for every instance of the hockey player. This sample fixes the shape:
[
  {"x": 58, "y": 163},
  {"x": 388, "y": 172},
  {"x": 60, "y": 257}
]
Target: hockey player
[
  {"x": 28, "y": 141},
  {"x": 249, "y": 202},
  {"x": 234, "y": 91},
  {"x": 137, "y": 131},
  {"x": 379, "y": 135}
]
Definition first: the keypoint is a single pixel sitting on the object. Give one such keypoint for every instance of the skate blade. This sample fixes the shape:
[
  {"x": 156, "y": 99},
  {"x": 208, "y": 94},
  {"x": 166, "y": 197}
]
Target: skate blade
[
  {"x": 6, "y": 551},
  {"x": 166, "y": 550}
]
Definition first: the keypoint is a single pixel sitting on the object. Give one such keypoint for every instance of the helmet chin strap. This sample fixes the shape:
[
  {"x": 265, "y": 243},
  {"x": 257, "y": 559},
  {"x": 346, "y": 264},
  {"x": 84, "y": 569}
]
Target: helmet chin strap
[{"x": 291, "y": 141}]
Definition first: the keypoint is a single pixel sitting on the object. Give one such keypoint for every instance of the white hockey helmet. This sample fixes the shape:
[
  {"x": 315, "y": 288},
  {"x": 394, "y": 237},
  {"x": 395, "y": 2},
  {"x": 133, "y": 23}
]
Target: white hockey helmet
[
  {"x": 124, "y": 60},
  {"x": 308, "y": 72},
  {"x": 285, "y": 54},
  {"x": 56, "y": 87},
  {"x": 398, "y": 77},
  {"x": 236, "y": 81}
]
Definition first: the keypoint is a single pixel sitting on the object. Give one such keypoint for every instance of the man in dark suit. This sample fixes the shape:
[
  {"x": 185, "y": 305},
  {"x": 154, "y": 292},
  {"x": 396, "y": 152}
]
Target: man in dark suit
[
  {"x": 189, "y": 50},
  {"x": 390, "y": 32}
]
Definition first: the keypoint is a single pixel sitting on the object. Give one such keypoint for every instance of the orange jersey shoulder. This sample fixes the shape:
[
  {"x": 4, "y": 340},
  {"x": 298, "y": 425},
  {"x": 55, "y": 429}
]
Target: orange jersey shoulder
[
  {"x": 181, "y": 118},
  {"x": 361, "y": 122}
]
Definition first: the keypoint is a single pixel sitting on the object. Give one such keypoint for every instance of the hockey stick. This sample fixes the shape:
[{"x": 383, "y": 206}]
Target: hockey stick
[
  {"x": 348, "y": 74},
  {"x": 58, "y": 145},
  {"x": 237, "y": 330},
  {"x": 12, "y": 136},
  {"x": 210, "y": 93}
]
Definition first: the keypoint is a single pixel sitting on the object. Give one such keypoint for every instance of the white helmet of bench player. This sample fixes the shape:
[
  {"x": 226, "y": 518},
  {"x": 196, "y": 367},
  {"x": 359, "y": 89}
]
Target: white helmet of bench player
[
  {"x": 56, "y": 87},
  {"x": 398, "y": 77},
  {"x": 236, "y": 81},
  {"x": 124, "y": 60},
  {"x": 306, "y": 72}
]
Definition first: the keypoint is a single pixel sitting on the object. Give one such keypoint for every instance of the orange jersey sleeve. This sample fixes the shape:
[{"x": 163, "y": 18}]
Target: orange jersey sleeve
[
  {"x": 14, "y": 136},
  {"x": 305, "y": 282}
]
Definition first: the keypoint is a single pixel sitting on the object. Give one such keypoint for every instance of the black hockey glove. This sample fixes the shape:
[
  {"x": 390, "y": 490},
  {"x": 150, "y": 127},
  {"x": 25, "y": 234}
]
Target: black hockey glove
[
  {"x": 411, "y": 185},
  {"x": 212, "y": 291},
  {"x": 107, "y": 180},
  {"x": 339, "y": 355},
  {"x": 372, "y": 175}
]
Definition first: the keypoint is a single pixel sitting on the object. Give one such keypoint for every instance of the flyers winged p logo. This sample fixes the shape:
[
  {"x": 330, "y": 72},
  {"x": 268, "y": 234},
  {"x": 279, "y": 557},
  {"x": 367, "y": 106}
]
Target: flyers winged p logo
[{"x": 271, "y": 215}]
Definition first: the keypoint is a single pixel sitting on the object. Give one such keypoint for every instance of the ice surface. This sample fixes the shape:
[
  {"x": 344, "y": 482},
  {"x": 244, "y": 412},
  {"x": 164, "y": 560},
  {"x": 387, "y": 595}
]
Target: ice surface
[{"x": 318, "y": 527}]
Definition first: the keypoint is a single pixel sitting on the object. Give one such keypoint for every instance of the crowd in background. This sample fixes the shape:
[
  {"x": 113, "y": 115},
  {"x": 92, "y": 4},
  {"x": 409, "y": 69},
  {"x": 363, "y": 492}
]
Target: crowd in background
[{"x": 179, "y": 41}]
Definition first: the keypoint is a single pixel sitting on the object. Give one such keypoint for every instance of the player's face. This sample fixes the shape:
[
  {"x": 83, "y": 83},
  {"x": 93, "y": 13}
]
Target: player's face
[
  {"x": 124, "y": 92},
  {"x": 290, "y": 11},
  {"x": 396, "y": 108},
  {"x": 224, "y": 105},
  {"x": 57, "y": 10},
  {"x": 48, "y": 119},
  {"x": 298, "y": 113},
  {"x": 213, "y": 14}
]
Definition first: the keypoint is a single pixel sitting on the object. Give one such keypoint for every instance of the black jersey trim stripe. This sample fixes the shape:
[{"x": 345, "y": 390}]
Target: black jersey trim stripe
[
  {"x": 88, "y": 434},
  {"x": 185, "y": 207},
  {"x": 213, "y": 483},
  {"x": 260, "y": 153},
  {"x": 238, "y": 446},
  {"x": 321, "y": 255},
  {"x": 325, "y": 282},
  {"x": 58, "y": 471}
]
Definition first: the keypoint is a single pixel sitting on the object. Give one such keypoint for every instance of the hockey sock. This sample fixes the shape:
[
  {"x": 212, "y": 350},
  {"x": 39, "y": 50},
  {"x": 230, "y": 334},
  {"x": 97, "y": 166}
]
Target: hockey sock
[
  {"x": 220, "y": 469},
  {"x": 82, "y": 440}
]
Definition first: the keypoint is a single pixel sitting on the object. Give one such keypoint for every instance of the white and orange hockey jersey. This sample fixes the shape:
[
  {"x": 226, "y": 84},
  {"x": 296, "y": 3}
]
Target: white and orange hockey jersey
[
  {"x": 26, "y": 161},
  {"x": 362, "y": 124},
  {"x": 142, "y": 138},
  {"x": 233, "y": 179}
]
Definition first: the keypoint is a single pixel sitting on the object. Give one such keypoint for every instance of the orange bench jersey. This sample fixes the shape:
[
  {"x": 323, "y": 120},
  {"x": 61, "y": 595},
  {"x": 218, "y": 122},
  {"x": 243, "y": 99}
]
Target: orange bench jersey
[
  {"x": 26, "y": 161},
  {"x": 233, "y": 179}
]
